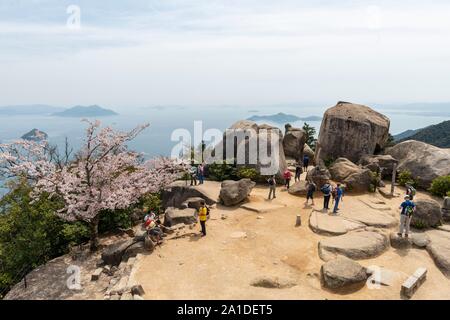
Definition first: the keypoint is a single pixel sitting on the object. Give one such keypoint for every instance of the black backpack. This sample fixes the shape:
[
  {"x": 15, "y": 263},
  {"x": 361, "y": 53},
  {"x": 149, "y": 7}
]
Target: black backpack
[{"x": 326, "y": 189}]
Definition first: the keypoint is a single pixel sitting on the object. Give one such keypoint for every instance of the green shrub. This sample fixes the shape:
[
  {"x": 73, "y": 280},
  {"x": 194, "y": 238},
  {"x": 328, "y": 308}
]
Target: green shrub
[
  {"x": 448, "y": 194},
  {"x": 222, "y": 171},
  {"x": 375, "y": 181},
  {"x": 248, "y": 173},
  {"x": 405, "y": 177},
  {"x": 441, "y": 186},
  {"x": 153, "y": 202}
]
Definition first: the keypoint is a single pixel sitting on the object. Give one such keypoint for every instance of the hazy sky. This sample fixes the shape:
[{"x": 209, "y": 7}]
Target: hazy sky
[{"x": 211, "y": 52}]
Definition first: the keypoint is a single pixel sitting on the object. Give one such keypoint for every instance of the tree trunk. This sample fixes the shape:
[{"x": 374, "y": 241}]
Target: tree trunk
[{"x": 94, "y": 233}]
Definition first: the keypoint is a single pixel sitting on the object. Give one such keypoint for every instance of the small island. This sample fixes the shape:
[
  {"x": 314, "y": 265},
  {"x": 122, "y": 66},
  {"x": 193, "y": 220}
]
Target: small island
[
  {"x": 283, "y": 118},
  {"x": 35, "y": 135},
  {"x": 89, "y": 111}
]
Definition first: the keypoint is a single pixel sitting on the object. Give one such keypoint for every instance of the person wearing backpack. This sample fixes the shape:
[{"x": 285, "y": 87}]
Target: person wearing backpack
[
  {"x": 410, "y": 191},
  {"x": 305, "y": 162},
  {"x": 310, "y": 192},
  {"x": 272, "y": 187},
  {"x": 326, "y": 189},
  {"x": 408, "y": 208},
  {"x": 338, "y": 194}
]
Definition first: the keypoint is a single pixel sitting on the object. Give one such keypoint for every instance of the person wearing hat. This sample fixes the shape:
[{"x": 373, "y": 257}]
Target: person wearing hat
[{"x": 408, "y": 208}]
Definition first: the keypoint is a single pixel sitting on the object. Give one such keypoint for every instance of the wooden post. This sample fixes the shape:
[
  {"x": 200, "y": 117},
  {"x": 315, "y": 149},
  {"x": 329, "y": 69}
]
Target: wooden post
[
  {"x": 394, "y": 178},
  {"x": 298, "y": 223}
]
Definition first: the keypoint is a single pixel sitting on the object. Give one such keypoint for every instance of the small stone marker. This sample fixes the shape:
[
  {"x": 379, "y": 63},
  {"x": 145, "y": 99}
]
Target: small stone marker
[
  {"x": 96, "y": 275},
  {"x": 298, "y": 222},
  {"x": 413, "y": 283}
]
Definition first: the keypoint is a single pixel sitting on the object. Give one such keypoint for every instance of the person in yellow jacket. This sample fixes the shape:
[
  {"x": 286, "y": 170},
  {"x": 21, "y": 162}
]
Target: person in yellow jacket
[{"x": 203, "y": 216}]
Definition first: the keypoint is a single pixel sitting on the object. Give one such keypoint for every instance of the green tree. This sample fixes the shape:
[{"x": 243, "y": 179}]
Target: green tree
[
  {"x": 440, "y": 186},
  {"x": 31, "y": 233},
  {"x": 310, "y": 135}
]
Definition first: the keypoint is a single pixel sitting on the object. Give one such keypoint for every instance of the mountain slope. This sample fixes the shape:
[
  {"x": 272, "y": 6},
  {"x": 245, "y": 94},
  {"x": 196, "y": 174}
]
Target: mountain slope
[{"x": 437, "y": 135}]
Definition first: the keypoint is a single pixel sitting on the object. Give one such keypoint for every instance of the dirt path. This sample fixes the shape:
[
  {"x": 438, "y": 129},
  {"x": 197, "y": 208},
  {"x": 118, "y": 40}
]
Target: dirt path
[{"x": 247, "y": 245}]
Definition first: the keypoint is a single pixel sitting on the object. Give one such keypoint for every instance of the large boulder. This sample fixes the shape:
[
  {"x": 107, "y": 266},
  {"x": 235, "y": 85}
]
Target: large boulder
[
  {"x": 234, "y": 192},
  {"x": 439, "y": 249},
  {"x": 332, "y": 225},
  {"x": 319, "y": 175},
  {"x": 428, "y": 214},
  {"x": 178, "y": 192},
  {"x": 446, "y": 209},
  {"x": 342, "y": 272},
  {"x": 424, "y": 161},
  {"x": 359, "y": 244},
  {"x": 343, "y": 168},
  {"x": 376, "y": 163},
  {"x": 300, "y": 188},
  {"x": 359, "y": 181},
  {"x": 294, "y": 142},
  {"x": 114, "y": 253},
  {"x": 351, "y": 131},
  {"x": 174, "y": 216},
  {"x": 243, "y": 138}
]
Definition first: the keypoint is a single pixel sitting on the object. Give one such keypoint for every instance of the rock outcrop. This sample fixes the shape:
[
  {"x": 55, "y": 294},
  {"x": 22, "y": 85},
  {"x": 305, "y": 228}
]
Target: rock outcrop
[
  {"x": 343, "y": 168},
  {"x": 114, "y": 253},
  {"x": 351, "y": 131},
  {"x": 300, "y": 188},
  {"x": 319, "y": 175},
  {"x": 446, "y": 209},
  {"x": 377, "y": 163},
  {"x": 342, "y": 272},
  {"x": 310, "y": 152},
  {"x": 180, "y": 191},
  {"x": 428, "y": 214},
  {"x": 359, "y": 181},
  {"x": 360, "y": 244},
  {"x": 294, "y": 142},
  {"x": 398, "y": 242},
  {"x": 424, "y": 161},
  {"x": 244, "y": 136},
  {"x": 233, "y": 193},
  {"x": 439, "y": 249},
  {"x": 175, "y": 216},
  {"x": 332, "y": 225}
]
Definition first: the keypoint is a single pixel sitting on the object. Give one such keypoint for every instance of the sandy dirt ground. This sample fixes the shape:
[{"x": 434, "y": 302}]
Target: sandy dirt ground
[{"x": 242, "y": 245}]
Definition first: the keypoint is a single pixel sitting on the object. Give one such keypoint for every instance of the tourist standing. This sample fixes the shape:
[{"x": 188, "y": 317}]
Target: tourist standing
[
  {"x": 310, "y": 192},
  {"x": 305, "y": 162},
  {"x": 202, "y": 217},
  {"x": 326, "y": 189},
  {"x": 201, "y": 173},
  {"x": 272, "y": 187},
  {"x": 338, "y": 194},
  {"x": 193, "y": 174},
  {"x": 408, "y": 208},
  {"x": 287, "y": 178},
  {"x": 298, "y": 171}
]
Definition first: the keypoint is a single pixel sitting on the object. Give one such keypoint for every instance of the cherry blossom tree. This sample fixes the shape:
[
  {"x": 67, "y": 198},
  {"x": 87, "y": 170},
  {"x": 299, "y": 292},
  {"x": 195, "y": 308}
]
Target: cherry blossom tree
[{"x": 103, "y": 176}]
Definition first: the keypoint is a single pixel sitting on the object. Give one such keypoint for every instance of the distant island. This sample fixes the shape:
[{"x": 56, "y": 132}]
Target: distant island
[
  {"x": 35, "y": 135},
  {"x": 437, "y": 135},
  {"x": 283, "y": 118},
  {"x": 36, "y": 109},
  {"x": 88, "y": 112}
]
